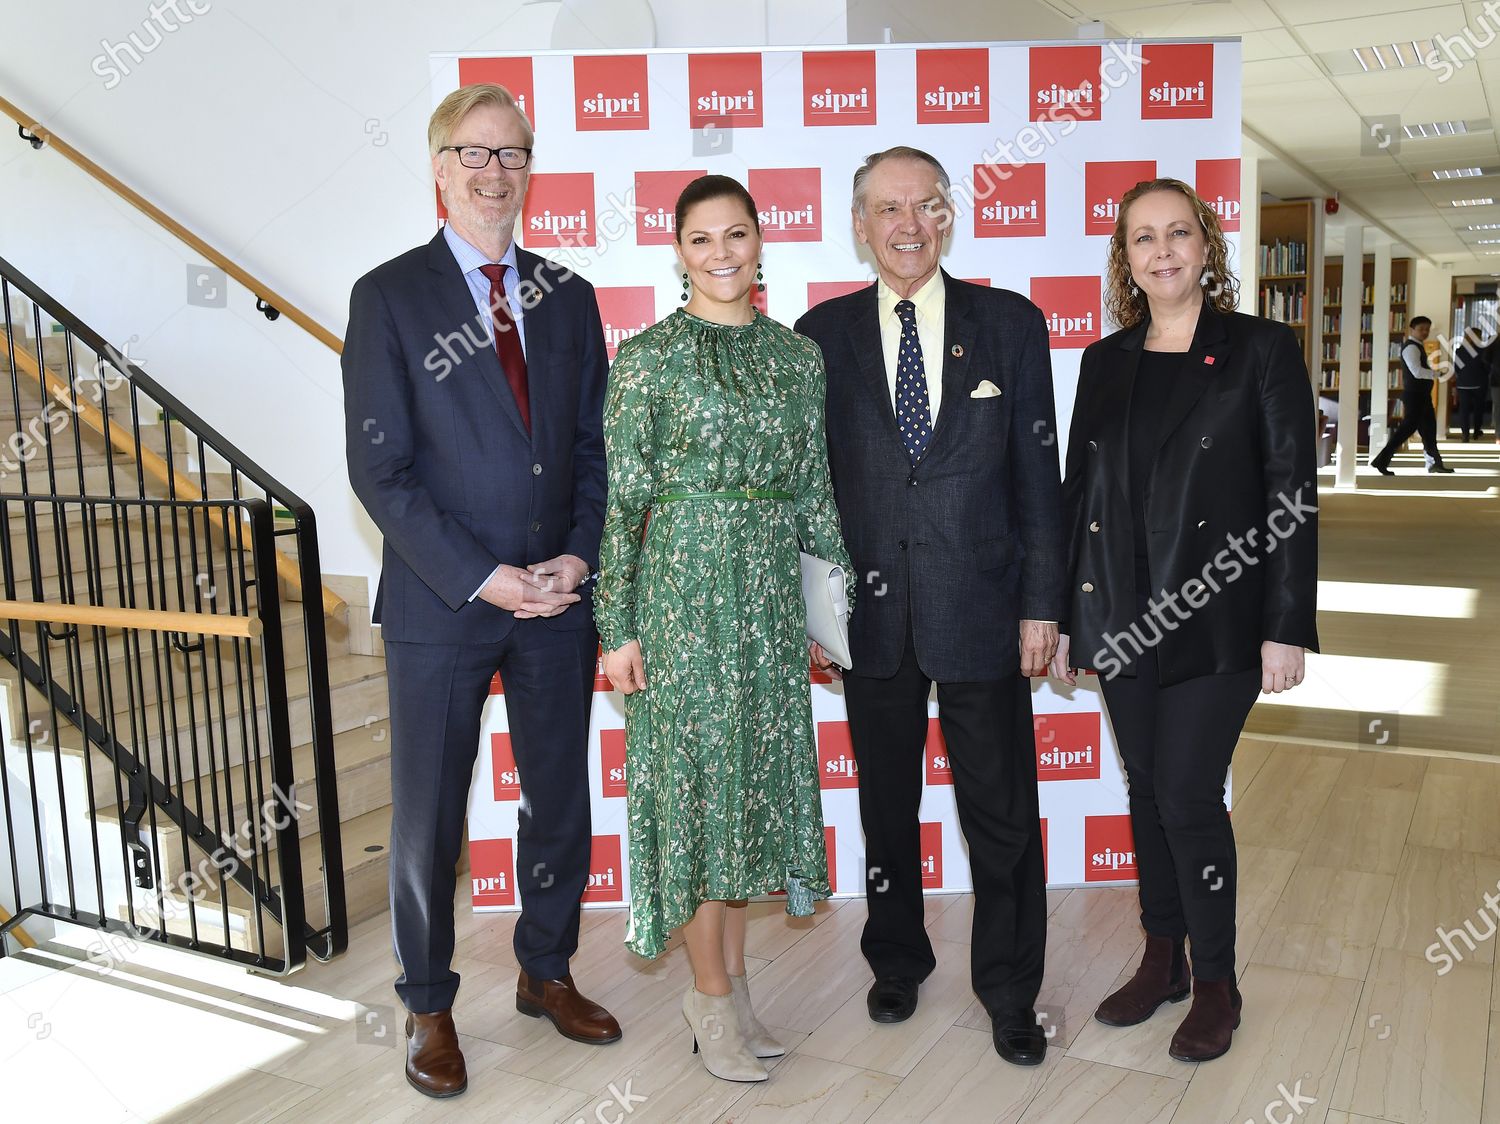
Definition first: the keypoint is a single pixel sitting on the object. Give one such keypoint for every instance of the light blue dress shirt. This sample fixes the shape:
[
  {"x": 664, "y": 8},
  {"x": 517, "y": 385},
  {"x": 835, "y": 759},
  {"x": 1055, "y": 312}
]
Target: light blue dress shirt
[{"x": 469, "y": 260}]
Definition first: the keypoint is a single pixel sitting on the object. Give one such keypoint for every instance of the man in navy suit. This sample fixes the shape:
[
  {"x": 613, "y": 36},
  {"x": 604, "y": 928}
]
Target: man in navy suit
[
  {"x": 473, "y": 392},
  {"x": 944, "y": 461}
]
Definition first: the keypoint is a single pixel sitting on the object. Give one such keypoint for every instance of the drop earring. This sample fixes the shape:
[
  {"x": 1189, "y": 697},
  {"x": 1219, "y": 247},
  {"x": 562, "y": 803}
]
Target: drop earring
[
  {"x": 1134, "y": 292},
  {"x": 760, "y": 278},
  {"x": 686, "y": 287}
]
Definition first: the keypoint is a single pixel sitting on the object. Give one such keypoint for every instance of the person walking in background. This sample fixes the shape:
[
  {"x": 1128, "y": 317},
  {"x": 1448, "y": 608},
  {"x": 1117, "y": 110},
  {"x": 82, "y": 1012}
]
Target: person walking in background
[
  {"x": 1192, "y": 431},
  {"x": 715, "y": 431},
  {"x": 486, "y": 479},
  {"x": 940, "y": 434},
  {"x": 1417, "y": 413},
  {"x": 1471, "y": 378}
]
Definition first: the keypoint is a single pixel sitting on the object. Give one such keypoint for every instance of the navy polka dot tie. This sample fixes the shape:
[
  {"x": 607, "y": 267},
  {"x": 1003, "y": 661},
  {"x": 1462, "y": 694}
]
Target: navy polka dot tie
[{"x": 912, "y": 414}]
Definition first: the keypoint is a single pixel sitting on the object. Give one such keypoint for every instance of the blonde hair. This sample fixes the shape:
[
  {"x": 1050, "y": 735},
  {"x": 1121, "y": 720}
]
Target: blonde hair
[
  {"x": 1126, "y": 304},
  {"x": 456, "y": 106}
]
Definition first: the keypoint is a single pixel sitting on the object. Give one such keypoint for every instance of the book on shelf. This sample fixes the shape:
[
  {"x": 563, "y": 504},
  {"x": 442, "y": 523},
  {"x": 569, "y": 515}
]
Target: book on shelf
[
  {"x": 1284, "y": 305},
  {"x": 1283, "y": 257}
]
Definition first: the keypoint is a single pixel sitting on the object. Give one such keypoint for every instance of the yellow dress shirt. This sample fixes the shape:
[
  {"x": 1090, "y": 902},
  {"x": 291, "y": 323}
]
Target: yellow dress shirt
[{"x": 932, "y": 306}]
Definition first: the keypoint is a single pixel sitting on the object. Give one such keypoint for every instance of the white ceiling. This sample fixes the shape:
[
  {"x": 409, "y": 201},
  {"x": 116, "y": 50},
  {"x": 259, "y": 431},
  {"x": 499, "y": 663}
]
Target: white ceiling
[{"x": 1301, "y": 99}]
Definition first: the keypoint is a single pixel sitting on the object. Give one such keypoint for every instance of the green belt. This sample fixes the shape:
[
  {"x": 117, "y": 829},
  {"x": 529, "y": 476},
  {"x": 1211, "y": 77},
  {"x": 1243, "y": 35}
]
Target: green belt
[{"x": 738, "y": 494}]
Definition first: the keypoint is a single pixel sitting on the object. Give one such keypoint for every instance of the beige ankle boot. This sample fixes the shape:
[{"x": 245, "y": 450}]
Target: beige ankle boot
[
  {"x": 758, "y": 1039},
  {"x": 717, "y": 1036}
]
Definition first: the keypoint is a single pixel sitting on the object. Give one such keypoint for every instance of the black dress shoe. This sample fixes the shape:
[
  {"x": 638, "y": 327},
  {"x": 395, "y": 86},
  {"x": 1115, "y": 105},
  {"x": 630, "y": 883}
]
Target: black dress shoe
[
  {"x": 892, "y": 999},
  {"x": 1380, "y": 468},
  {"x": 1019, "y": 1038},
  {"x": 1439, "y": 468}
]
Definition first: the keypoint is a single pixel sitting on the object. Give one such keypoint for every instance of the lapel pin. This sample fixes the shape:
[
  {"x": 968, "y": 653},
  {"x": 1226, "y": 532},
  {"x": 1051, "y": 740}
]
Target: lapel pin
[
  {"x": 958, "y": 351},
  {"x": 1208, "y": 359}
]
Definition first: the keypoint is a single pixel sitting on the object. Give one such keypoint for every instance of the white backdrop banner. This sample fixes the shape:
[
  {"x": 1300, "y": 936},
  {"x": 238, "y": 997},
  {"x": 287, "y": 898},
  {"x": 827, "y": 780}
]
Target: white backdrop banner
[{"x": 1040, "y": 139}]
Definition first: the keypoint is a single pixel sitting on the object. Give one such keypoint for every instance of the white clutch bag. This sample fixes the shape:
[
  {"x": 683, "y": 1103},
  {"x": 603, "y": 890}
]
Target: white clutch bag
[{"x": 827, "y": 607}]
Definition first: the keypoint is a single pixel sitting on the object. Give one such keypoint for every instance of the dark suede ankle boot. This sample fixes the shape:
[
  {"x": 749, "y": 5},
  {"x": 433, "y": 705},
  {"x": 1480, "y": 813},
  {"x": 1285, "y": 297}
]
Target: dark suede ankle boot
[
  {"x": 1161, "y": 978},
  {"x": 1210, "y": 1024}
]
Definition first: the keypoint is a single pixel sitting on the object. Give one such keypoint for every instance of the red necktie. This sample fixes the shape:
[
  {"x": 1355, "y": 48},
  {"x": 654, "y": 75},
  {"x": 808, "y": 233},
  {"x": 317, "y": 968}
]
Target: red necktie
[{"x": 508, "y": 342}]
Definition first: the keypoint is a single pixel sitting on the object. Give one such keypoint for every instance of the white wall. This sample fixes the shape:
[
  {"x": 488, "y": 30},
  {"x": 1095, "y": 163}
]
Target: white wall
[{"x": 293, "y": 137}]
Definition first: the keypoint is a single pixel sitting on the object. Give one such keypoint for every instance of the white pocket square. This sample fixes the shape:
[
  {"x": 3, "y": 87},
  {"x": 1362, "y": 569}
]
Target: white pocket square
[{"x": 986, "y": 389}]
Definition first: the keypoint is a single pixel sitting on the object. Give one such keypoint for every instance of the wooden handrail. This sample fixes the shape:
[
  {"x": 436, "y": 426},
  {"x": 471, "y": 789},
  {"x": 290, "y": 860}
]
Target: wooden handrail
[
  {"x": 153, "y": 463},
  {"x": 23, "y": 938},
  {"x": 152, "y": 620},
  {"x": 161, "y": 218}
]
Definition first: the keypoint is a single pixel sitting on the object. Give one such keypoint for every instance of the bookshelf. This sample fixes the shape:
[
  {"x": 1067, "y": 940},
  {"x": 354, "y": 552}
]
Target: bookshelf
[
  {"x": 1284, "y": 277},
  {"x": 1394, "y": 308}
]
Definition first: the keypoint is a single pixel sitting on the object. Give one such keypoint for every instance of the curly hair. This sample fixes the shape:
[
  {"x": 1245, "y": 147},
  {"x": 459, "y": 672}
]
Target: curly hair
[{"x": 1124, "y": 303}]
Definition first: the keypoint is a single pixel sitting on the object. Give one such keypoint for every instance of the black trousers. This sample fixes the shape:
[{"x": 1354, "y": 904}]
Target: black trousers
[
  {"x": 437, "y": 693},
  {"x": 987, "y": 726},
  {"x": 1418, "y": 417},
  {"x": 1471, "y": 410},
  {"x": 1176, "y": 743}
]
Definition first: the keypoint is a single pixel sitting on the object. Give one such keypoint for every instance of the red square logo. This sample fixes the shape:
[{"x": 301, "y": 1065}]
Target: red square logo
[
  {"x": 1218, "y": 185},
  {"x": 610, "y": 92},
  {"x": 514, "y": 74},
  {"x": 1067, "y": 746},
  {"x": 953, "y": 86},
  {"x": 606, "y": 873},
  {"x": 492, "y": 870},
  {"x": 790, "y": 202},
  {"x": 507, "y": 778},
  {"x": 612, "y": 762},
  {"x": 833, "y": 859},
  {"x": 932, "y": 856},
  {"x": 1071, "y": 307},
  {"x": 836, "y": 767},
  {"x": 1178, "y": 81},
  {"x": 1108, "y": 849},
  {"x": 939, "y": 767},
  {"x": 656, "y": 205},
  {"x": 1104, "y": 182},
  {"x": 838, "y": 88},
  {"x": 625, "y": 311},
  {"x": 1010, "y": 201},
  {"x": 820, "y": 291},
  {"x": 559, "y": 211},
  {"x": 725, "y": 90},
  {"x": 1065, "y": 83}
]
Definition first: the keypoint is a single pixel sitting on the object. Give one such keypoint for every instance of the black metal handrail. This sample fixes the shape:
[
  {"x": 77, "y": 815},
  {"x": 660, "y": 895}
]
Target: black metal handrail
[{"x": 63, "y": 375}]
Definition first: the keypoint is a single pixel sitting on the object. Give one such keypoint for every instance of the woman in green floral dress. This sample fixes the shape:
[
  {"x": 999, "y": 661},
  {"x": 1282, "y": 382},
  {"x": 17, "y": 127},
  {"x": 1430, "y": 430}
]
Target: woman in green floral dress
[{"x": 714, "y": 430}]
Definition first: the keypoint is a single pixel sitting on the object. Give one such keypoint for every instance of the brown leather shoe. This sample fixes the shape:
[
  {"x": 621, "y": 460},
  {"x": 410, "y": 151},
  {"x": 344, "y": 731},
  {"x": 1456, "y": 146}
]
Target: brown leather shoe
[
  {"x": 1161, "y": 978},
  {"x": 575, "y": 1017},
  {"x": 1206, "y": 1032},
  {"x": 434, "y": 1062}
]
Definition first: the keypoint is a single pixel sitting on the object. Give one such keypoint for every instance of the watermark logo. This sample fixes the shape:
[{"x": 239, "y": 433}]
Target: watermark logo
[
  {"x": 1382, "y": 730},
  {"x": 836, "y": 766},
  {"x": 492, "y": 871},
  {"x": 1010, "y": 202},
  {"x": 790, "y": 202},
  {"x": 611, "y": 93},
  {"x": 726, "y": 91},
  {"x": 1071, "y": 306},
  {"x": 838, "y": 88},
  {"x": 1066, "y": 79},
  {"x": 515, "y": 74},
  {"x": 1379, "y": 134},
  {"x": 1178, "y": 83},
  {"x": 953, "y": 86},
  {"x": 114, "y": 62},
  {"x": 1104, "y": 183},
  {"x": 207, "y": 286}
]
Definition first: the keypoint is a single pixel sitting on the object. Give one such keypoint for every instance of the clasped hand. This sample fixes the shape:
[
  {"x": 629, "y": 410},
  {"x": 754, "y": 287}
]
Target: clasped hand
[{"x": 543, "y": 589}]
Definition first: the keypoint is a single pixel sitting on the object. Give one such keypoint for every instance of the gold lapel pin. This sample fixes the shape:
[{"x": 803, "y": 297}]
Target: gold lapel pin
[{"x": 958, "y": 351}]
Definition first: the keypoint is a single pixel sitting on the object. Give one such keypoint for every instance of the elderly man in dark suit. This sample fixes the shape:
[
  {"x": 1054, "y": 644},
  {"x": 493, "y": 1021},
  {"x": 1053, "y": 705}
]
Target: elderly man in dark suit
[
  {"x": 473, "y": 390},
  {"x": 940, "y": 437}
]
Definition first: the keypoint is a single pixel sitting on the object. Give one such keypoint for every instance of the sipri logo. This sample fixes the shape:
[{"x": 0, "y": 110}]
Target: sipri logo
[
  {"x": 612, "y": 762},
  {"x": 838, "y": 88},
  {"x": 1218, "y": 185},
  {"x": 1109, "y": 849},
  {"x": 559, "y": 210},
  {"x": 1177, "y": 82},
  {"x": 939, "y": 766},
  {"x": 506, "y": 777},
  {"x": 725, "y": 91},
  {"x": 932, "y": 855},
  {"x": 1010, "y": 202},
  {"x": 625, "y": 311},
  {"x": 953, "y": 86},
  {"x": 515, "y": 74},
  {"x": 656, "y": 205},
  {"x": 836, "y": 766},
  {"x": 611, "y": 92},
  {"x": 606, "y": 878},
  {"x": 1104, "y": 182},
  {"x": 1067, "y": 746},
  {"x": 790, "y": 202},
  {"x": 1065, "y": 83},
  {"x": 1071, "y": 306},
  {"x": 492, "y": 871}
]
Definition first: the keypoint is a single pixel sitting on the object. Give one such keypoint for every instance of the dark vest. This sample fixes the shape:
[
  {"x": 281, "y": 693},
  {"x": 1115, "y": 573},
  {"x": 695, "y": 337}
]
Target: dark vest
[{"x": 1413, "y": 387}]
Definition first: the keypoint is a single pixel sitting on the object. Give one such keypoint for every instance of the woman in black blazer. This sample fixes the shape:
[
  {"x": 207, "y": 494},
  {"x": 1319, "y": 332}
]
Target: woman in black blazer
[{"x": 1191, "y": 498}]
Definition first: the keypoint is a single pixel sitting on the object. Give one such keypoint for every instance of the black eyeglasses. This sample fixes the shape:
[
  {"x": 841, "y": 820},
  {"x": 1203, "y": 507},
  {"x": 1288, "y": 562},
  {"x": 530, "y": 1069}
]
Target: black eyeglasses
[{"x": 477, "y": 156}]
